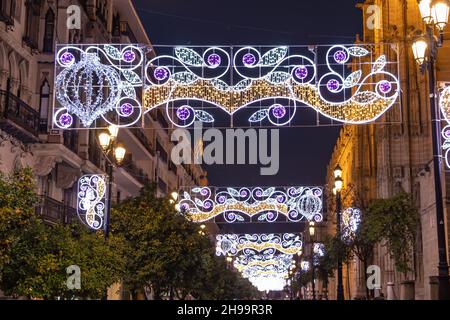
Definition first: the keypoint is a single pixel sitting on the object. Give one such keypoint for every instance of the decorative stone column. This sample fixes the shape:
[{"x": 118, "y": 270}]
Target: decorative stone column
[
  {"x": 391, "y": 291},
  {"x": 434, "y": 288},
  {"x": 407, "y": 290}
]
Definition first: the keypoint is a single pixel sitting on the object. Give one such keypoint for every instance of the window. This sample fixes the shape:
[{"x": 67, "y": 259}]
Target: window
[
  {"x": 44, "y": 105},
  {"x": 32, "y": 23},
  {"x": 49, "y": 31},
  {"x": 7, "y": 11}
]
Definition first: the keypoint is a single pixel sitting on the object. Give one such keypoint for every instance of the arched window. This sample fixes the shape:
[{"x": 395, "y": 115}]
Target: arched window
[
  {"x": 49, "y": 31},
  {"x": 44, "y": 105}
]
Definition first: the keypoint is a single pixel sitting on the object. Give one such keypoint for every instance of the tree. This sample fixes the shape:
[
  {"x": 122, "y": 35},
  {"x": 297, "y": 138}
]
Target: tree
[
  {"x": 394, "y": 220},
  {"x": 35, "y": 256},
  {"x": 17, "y": 199},
  {"x": 167, "y": 252}
]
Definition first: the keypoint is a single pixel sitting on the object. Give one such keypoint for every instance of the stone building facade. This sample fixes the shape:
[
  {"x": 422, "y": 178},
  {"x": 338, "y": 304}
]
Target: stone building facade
[
  {"x": 394, "y": 154},
  {"x": 29, "y": 30}
]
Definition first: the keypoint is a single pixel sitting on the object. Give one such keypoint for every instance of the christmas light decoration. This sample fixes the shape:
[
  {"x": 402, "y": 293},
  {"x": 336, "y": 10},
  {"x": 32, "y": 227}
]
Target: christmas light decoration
[
  {"x": 444, "y": 104},
  {"x": 279, "y": 73},
  {"x": 262, "y": 204},
  {"x": 318, "y": 252},
  {"x": 349, "y": 86},
  {"x": 91, "y": 199},
  {"x": 231, "y": 244},
  {"x": 94, "y": 82},
  {"x": 350, "y": 221}
]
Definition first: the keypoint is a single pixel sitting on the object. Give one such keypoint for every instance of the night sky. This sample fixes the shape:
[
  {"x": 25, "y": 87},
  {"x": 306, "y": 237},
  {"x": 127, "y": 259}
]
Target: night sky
[{"x": 304, "y": 152}]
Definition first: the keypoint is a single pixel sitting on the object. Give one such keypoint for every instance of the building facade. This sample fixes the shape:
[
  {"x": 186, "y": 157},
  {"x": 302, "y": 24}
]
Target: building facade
[
  {"x": 394, "y": 154},
  {"x": 29, "y": 31}
]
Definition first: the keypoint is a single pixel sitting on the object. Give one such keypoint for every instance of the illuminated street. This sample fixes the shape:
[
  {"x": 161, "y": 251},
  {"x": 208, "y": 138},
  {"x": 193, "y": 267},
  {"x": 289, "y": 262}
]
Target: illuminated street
[{"x": 189, "y": 151}]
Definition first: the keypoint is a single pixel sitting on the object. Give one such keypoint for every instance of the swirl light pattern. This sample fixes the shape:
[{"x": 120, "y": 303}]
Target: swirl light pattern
[
  {"x": 202, "y": 76},
  {"x": 247, "y": 204},
  {"x": 98, "y": 82},
  {"x": 350, "y": 221},
  {"x": 266, "y": 271},
  {"x": 232, "y": 244},
  {"x": 444, "y": 104},
  {"x": 91, "y": 200},
  {"x": 346, "y": 83}
]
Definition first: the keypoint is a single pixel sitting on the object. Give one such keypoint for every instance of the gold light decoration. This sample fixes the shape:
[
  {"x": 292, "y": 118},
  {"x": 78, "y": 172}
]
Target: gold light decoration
[
  {"x": 262, "y": 204},
  {"x": 232, "y": 244}
]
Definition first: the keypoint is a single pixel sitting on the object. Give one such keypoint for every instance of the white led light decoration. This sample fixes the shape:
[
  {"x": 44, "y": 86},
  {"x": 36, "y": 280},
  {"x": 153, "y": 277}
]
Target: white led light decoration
[
  {"x": 444, "y": 104},
  {"x": 346, "y": 83},
  {"x": 91, "y": 200},
  {"x": 98, "y": 82},
  {"x": 262, "y": 204},
  {"x": 232, "y": 244},
  {"x": 201, "y": 75},
  {"x": 350, "y": 222},
  {"x": 318, "y": 252}
]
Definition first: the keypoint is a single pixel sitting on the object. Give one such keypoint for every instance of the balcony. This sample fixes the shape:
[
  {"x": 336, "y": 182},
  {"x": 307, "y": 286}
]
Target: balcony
[
  {"x": 53, "y": 211},
  {"x": 143, "y": 140},
  {"x": 17, "y": 118},
  {"x": 137, "y": 173}
]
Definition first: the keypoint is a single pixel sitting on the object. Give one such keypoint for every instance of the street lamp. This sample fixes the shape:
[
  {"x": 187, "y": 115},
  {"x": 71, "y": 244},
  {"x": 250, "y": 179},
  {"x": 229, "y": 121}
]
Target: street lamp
[
  {"x": 312, "y": 232},
  {"x": 110, "y": 148},
  {"x": 338, "y": 185},
  {"x": 439, "y": 12}
]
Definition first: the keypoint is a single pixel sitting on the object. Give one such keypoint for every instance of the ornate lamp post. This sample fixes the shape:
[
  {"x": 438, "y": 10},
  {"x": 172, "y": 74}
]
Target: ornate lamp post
[
  {"x": 111, "y": 148},
  {"x": 312, "y": 232},
  {"x": 425, "y": 48},
  {"x": 338, "y": 184}
]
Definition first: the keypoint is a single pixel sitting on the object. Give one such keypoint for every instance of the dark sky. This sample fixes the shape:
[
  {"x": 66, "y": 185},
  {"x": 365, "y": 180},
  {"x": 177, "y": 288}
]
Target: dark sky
[{"x": 304, "y": 152}]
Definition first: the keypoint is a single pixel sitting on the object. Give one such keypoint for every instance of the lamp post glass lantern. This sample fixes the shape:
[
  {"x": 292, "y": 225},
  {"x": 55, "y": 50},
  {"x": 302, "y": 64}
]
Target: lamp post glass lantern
[
  {"x": 426, "y": 59},
  {"x": 110, "y": 148}
]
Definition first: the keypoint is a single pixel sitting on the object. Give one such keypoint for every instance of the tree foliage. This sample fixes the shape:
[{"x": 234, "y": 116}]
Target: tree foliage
[
  {"x": 35, "y": 255},
  {"x": 167, "y": 252},
  {"x": 394, "y": 220}
]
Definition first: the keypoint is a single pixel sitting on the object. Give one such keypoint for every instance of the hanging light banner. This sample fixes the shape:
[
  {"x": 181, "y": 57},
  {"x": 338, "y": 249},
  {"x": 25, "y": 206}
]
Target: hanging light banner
[
  {"x": 444, "y": 104},
  {"x": 232, "y": 244},
  {"x": 263, "y": 260},
  {"x": 252, "y": 204},
  {"x": 267, "y": 271},
  {"x": 350, "y": 222},
  {"x": 91, "y": 200},
  {"x": 118, "y": 83}
]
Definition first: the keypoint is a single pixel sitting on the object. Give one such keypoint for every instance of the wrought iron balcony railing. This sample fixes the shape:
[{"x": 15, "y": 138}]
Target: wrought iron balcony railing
[
  {"x": 135, "y": 172},
  {"x": 18, "y": 118},
  {"x": 143, "y": 140},
  {"x": 53, "y": 211}
]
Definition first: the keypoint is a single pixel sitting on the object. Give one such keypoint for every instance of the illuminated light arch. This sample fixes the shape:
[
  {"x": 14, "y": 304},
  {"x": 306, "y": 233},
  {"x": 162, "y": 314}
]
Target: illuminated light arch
[
  {"x": 232, "y": 244},
  {"x": 101, "y": 81},
  {"x": 263, "y": 204}
]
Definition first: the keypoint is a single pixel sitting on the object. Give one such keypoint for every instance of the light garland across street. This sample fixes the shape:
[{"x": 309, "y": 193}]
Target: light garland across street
[
  {"x": 244, "y": 204},
  {"x": 232, "y": 244},
  {"x": 119, "y": 83}
]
